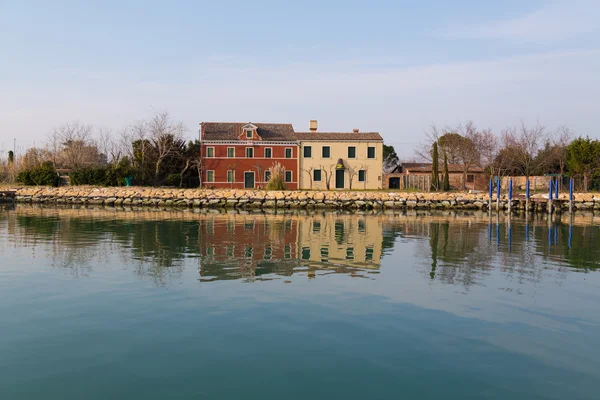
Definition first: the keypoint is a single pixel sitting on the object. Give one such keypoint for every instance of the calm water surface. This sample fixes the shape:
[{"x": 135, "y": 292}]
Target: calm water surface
[{"x": 98, "y": 304}]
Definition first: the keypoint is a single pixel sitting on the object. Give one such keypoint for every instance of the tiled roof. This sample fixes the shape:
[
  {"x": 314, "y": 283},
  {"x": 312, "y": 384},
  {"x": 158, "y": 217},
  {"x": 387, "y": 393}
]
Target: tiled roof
[
  {"x": 232, "y": 130},
  {"x": 371, "y": 136},
  {"x": 427, "y": 167}
]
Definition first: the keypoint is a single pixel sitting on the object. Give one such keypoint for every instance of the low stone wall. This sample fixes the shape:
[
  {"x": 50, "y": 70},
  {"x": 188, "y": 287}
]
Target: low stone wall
[{"x": 260, "y": 199}]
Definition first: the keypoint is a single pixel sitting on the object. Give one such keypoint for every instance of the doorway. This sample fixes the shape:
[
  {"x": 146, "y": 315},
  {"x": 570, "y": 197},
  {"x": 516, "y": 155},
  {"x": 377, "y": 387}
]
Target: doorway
[
  {"x": 248, "y": 180},
  {"x": 394, "y": 183},
  {"x": 339, "y": 178}
]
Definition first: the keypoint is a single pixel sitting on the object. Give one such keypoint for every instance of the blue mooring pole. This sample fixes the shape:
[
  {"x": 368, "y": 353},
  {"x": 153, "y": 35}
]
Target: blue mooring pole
[
  {"x": 491, "y": 194},
  {"x": 571, "y": 195},
  {"x": 556, "y": 187},
  {"x": 550, "y": 193},
  {"x": 527, "y": 194},
  {"x": 510, "y": 192},
  {"x": 498, "y": 195}
]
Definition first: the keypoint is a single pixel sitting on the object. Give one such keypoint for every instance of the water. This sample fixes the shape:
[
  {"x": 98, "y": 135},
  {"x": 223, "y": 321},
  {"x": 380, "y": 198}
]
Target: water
[{"x": 100, "y": 304}]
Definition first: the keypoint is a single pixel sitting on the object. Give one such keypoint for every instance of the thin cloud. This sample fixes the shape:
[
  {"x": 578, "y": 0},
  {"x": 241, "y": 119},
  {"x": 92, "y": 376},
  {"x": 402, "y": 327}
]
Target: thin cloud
[{"x": 557, "y": 21}]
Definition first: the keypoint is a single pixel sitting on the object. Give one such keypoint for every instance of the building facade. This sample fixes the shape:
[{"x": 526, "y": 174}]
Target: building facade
[
  {"x": 239, "y": 155},
  {"x": 330, "y": 161},
  {"x": 418, "y": 176}
]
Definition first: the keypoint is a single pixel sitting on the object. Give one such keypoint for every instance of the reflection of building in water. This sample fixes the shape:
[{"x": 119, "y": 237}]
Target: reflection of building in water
[
  {"x": 341, "y": 239},
  {"x": 250, "y": 245}
]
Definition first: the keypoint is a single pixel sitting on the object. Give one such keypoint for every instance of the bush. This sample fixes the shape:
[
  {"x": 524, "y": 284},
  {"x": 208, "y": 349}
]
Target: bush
[
  {"x": 172, "y": 180},
  {"x": 89, "y": 176},
  {"x": 43, "y": 175},
  {"x": 277, "y": 180},
  {"x": 103, "y": 176}
]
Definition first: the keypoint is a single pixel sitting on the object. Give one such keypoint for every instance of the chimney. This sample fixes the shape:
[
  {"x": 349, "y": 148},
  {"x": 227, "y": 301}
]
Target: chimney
[
  {"x": 313, "y": 125},
  {"x": 355, "y": 130}
]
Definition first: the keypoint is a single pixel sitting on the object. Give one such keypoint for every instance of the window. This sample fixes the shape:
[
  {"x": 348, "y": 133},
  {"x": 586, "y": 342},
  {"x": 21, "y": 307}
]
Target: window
[
  {"x": 362, "y": 175},
  {"x": 307, "y": 151},
  {"x": 306, "y": 253},
  {"x": 249, "y": 152},
  {"x": 470, "y": 178},
  {"x": 326, "y": 152},
  {"x": 267, "y": 176},
  {"x": 316, "y": 226},
  {"x": 248, "y": 134},
  {"x": 231, "y": 152},
  {"x": 231, "y": 176},
  {"x": 268, "y": 152},
  {"x": 288, "y": 176},
  {"x": 210, "y": 152},
  {"x": 288, "y": 152},
  {"x": 370, "y": 152},
  {"x": 210, "y": 176},
  {"x": 351, "y": 151},
  {"x": 317, "y": 175}
]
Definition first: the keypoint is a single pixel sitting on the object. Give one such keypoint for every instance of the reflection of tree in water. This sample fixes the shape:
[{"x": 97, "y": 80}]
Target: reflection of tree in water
[{"x": 450, "y": 248}]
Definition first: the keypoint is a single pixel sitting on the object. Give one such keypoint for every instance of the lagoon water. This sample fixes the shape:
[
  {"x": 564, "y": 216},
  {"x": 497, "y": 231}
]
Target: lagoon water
[{"x": 147, "y": 304}]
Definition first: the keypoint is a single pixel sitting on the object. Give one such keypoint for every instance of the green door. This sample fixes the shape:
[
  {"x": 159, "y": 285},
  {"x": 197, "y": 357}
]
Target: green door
[
  {"x": 249, "y": 180},
  {"x": 339, "y": 178}
]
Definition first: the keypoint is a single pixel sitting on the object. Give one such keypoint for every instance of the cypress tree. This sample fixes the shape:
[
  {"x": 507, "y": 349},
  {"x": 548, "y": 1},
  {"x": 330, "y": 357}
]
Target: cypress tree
[
  {"x": 446, "y": 174},
  {"x": 435, "y": 173},
  {"x": 11, "y": 157}
]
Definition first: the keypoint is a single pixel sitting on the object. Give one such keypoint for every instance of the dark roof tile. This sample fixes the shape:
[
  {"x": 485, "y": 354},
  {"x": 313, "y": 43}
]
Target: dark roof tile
[
  {"x": 371, "y": 136},
  {"x": 232, "y": 130}
]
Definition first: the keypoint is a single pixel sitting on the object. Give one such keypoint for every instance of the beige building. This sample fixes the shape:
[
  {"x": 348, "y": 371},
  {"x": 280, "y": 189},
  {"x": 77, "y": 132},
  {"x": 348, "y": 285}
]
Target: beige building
[{"x": 333, "y": 160}]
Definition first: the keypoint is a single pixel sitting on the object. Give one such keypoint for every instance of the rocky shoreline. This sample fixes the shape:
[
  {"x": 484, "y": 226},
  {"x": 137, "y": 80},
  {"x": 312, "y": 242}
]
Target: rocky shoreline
[{"x": 261, "y": 199}]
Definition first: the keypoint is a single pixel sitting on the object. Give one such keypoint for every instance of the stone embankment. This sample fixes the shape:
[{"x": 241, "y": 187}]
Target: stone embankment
[{"x": 261, "y": 199}]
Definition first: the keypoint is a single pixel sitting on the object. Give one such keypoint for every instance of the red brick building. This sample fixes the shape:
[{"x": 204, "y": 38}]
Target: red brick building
[{"x": 238, "y": 155}]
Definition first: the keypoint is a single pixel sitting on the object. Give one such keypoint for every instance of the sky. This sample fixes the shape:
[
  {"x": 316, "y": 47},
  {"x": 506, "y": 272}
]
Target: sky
[{"x": 395, "y": 67}]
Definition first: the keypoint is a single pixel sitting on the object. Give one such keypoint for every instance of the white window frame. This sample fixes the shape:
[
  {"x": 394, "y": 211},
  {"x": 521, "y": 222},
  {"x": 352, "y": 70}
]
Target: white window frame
[
  {"x": 265, "y": 176},
  {"x": 291, "y": 149},
  {"x": 322, "y": 148},
  {"x": 233, "y": 177},
  {"x": 321, "y": 171},
  {"x": 352, "y": 158},
  {"x": 365, "y": 175},
  {"x": 291, "y": 176},
  {"x": 311, "y": 153},
  {"x": 249, "y": 133},
  {"x": 249, "y": 148},
  {"x": 213, "y": 176},
  {"x": 374, "y": 153},
  {"x": 231, "y": 148},
  {"x": 213, "y": 152},
  {"x": 265, "y": 153}
]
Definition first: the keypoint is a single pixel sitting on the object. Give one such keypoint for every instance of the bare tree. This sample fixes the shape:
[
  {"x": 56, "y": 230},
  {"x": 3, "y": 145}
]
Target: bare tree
[
  {"x": 328, "y": 175},
  {"x": 73, "y": 146},
  {"x": 352, "y": 172},
  {"x": 524, "y": 143},
  {"x": 310, "y": 171},
  {"x": 167, "y": 138}
]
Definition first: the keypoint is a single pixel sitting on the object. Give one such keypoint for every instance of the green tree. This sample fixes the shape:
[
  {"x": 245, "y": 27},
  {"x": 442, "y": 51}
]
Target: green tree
[
  {"x": 435, "y": 173},
  {"x": 390, "y": 158},
  {"x": 446, "y": 174},
  {"x": 583, "y": 159},
  {"x": 11, "y": 157}
]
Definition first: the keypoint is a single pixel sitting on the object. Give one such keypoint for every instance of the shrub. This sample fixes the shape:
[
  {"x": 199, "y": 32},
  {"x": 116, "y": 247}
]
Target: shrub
[
  {"x": 277, "y": 180},
  {"x": 42, "y": 175}
]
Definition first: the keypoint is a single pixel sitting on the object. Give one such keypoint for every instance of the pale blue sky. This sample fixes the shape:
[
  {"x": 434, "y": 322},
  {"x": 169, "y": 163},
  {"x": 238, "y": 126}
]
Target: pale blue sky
[{"x": 396, "y": 67}]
